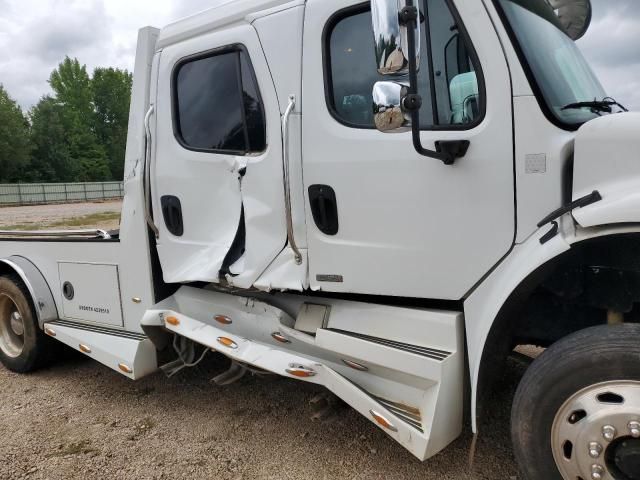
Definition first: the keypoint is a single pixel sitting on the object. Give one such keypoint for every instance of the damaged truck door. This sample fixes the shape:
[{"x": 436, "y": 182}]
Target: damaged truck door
[{"x": 218, "y": 195}]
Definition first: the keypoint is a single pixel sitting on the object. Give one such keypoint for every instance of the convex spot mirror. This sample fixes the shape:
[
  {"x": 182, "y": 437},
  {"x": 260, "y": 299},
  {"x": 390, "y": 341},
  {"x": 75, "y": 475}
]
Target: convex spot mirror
[
  {"x": 390, "y": 37},
  {"x": 388, "y": 111},
  {"x": 575, "y": 16}
]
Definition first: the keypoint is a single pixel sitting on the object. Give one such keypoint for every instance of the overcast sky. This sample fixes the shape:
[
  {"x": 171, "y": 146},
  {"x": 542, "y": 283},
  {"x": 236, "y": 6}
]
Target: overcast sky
[{"x": 35, "y": 35}]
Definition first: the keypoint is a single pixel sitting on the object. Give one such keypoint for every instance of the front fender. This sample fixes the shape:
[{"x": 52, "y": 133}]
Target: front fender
[{"x": 483, "y": 305}]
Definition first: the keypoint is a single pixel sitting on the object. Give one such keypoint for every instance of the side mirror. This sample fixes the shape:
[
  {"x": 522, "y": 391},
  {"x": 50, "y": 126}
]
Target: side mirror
[
  {"x": 396, "y": 106},
  {"x": 388, "y": 112},
  {"x": 391, "y": 39}
]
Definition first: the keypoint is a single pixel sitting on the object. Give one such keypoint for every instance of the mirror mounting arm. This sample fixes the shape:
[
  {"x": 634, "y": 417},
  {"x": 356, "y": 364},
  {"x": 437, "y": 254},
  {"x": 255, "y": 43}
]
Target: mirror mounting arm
[{"x": 447, "y": 152}]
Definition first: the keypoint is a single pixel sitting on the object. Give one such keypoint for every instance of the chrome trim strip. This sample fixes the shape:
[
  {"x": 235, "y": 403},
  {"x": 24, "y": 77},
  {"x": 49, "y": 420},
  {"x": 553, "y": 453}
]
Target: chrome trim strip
[
  {"x": 406, "y": 416},
  {"x": 287, "y": 179},
  {"x": 98, "y": 329},
  {"x": 56, "y": 233},
  {"x": 147, "y": 172},
  {"x": 432, "y": 353},
  {"x": 393, "y": 406}
]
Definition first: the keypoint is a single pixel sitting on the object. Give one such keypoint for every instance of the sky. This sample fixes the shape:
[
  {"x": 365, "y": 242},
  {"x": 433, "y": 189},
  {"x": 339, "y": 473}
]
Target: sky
[{"x": 35, "y": 35}]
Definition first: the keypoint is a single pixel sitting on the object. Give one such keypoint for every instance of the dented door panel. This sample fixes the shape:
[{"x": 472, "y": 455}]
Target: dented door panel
[{"x": 233, "y": 205}]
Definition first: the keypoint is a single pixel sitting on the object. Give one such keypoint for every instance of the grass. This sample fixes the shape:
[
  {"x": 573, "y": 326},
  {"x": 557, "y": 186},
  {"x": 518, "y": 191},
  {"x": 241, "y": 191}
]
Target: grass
[{"x": 94, "y": 219}]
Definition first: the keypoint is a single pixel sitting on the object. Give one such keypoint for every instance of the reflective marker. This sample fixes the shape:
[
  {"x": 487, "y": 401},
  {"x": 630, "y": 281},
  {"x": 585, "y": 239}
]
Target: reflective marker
[
  {"x": 300, "y": 372},
  {"x": 280, "y": 338},
  {"x": 227, "y": 342},
  {"x": 124, "y": 368},
  {"x": 224, "y": 320},
  {"x": 383, "y": 422}
]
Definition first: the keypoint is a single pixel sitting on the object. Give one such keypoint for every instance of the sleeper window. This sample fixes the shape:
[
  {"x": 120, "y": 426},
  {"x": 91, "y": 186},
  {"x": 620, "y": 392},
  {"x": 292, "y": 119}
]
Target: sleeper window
[
  {"x": 218, "y": 106},
  {"x": 455, "y": 97}
]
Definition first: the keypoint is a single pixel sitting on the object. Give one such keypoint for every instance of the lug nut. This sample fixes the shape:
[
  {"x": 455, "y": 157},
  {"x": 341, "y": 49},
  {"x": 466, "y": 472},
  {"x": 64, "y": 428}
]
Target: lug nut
[
  {"x": 609, "y": 433},
  {"x": 597, "y": 472},
  {"x": 595, "y": 450},
  {"x": 634, "y": 429}
]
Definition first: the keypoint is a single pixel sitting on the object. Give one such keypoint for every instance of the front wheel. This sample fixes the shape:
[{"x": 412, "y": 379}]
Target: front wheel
[{"x": 576, "y": 414}]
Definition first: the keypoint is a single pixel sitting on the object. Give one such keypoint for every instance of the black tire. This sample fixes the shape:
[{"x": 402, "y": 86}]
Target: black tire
[
  {"x": 36, "y": 345},
  {"x": 586, "y": 358}
]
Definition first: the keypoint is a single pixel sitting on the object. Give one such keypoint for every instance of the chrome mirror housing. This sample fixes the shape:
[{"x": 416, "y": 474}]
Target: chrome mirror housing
[
  {"x": 390, "y": 37},
  {"x": 388, "y": 112}
]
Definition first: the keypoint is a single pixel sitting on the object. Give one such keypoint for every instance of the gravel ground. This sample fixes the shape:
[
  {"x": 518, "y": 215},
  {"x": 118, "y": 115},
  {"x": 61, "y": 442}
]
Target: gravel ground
[
  {"x": 78, "y": 420},
  {"x": 43, "y": 215}
]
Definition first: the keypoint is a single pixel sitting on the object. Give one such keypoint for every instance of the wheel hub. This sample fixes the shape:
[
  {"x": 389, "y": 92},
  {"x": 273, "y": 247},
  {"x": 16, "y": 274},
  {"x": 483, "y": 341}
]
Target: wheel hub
[
  {"x": 16, "y": 323},
  {"x": 11, "y": 327},
  {"x": 623, "y": 458},
  {"x": 596, "y": 433}
]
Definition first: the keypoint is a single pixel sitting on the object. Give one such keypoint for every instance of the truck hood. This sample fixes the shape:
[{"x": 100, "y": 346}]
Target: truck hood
[{"x": 607, "y": 159}]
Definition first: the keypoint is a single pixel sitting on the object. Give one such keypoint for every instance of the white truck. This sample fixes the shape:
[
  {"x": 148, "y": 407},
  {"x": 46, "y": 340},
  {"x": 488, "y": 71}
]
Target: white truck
[{"x": 270, "y": 216}]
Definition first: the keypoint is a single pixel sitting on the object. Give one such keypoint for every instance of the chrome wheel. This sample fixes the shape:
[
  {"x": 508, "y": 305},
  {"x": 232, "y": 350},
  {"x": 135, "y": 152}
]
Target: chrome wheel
[
  {"x": 11, "y": 327},
  {"x": 596, "y": 433}
]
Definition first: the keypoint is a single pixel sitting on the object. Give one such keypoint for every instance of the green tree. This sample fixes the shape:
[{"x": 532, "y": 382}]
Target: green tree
[
  {"x": 67, "y": 148},
  {"x": 111, "y": 99},
  {"x": 72, "y": 87},
  {"x": 51, "y": 160},
  {"x": 15, "y": 148}
]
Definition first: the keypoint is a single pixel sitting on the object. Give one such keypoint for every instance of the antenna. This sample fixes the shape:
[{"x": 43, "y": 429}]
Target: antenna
[{"x": 574, "y": 15}]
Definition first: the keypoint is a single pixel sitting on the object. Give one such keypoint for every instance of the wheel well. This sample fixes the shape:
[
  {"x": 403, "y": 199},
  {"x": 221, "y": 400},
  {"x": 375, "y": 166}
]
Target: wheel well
[
  {"x": 6, "y": 269},
  {"x": 596, "y": 281},
  {"x": 39, "y": 291}
]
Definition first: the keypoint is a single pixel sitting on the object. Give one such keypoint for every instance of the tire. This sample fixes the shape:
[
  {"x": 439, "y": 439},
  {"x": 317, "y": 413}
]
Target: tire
[
  {"x": 576, "y": 369},
  {"x": 22, "y": 348}
]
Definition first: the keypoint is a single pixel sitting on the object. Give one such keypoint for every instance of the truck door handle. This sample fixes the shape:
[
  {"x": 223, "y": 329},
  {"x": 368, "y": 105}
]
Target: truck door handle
[
  {"x": 324, "y": 207},
  {"x": 172, "y": 213}
]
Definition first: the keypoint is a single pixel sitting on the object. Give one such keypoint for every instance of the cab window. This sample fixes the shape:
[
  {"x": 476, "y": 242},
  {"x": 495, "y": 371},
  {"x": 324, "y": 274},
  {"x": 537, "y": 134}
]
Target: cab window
[
  {"x": 217, "y": 104},
  {"x": 449, "y": 85}
]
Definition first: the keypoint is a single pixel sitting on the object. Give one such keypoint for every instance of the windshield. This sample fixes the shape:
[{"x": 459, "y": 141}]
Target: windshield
[{"x": 560, "y": 71}]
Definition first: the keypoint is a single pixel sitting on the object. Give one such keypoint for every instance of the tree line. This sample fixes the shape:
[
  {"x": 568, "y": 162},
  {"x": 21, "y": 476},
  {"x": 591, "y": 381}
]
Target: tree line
[{"x": 78, "y": 133}]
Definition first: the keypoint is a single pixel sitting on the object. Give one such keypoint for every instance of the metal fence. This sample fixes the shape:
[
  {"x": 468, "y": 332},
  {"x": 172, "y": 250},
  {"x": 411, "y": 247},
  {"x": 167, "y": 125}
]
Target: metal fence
[{"x": 43, "y": 193}]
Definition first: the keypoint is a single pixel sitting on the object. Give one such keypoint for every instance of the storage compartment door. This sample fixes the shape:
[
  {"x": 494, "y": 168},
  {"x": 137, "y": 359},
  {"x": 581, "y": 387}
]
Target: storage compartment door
[{"x": 91, "y": 293}]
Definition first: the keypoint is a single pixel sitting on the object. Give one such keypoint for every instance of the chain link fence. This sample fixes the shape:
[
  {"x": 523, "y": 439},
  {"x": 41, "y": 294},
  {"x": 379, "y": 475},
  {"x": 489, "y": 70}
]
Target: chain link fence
[{"x": 43, "y": 193}]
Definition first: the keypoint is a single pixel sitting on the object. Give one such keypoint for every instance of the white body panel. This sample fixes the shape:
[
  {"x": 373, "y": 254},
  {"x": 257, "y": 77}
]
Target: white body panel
[
  {"x": 96, "y": 293},
  {"x": 409, "y": 225},
  {"x": 428, "y": 383},
  {"x": 542, "y": 151},
  {"x": 608, "y": 160},
  {"x": 131, "y": 355},
  {"x": 221, "y": 14},
  {"x": 482, "y": 307},
  {"x": 212, "y": 205}
]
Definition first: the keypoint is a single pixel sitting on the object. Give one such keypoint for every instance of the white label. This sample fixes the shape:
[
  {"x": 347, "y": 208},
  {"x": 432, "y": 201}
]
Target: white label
[{"x": 536, "y": 163}]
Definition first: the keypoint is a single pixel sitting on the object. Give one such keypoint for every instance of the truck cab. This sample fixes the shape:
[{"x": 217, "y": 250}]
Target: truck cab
[{"x": 381, "y": 197}]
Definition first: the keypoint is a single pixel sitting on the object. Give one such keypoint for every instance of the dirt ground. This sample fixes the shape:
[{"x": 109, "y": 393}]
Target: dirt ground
[
  {"x": 80, "y": 420},
  {"x": 104, "y": 215}
]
